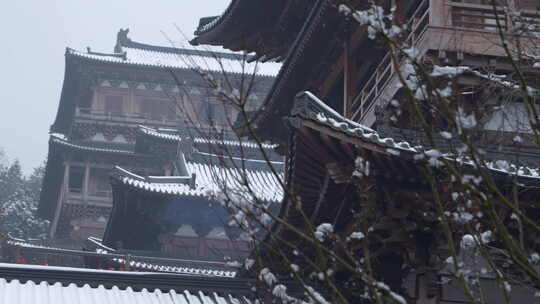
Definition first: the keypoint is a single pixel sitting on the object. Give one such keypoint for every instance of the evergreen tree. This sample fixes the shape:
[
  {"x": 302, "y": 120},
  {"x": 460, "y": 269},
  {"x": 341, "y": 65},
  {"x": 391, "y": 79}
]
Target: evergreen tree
[{"x": 19, "y": 198}]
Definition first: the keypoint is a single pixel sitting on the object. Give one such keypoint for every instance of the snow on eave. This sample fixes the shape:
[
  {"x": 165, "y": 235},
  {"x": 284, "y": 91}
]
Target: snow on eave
[
  {"x": 224, "y": 17},
  {"x": 228, "y": 142},
  {"x": 244, "y": 159},
  {"x": 196, "y": 271},
  {"x": 27, "y": 245},
  {"x": 62, "y": 141},
  {"x": 179, "y": 61},
  {"x": 201, "y": 140},
  {"x": 330, "y": 118},
  {"x": 265, "y": 185}
]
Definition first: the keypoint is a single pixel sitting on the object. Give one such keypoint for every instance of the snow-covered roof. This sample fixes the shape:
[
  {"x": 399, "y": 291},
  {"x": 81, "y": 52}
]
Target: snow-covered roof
[
  {"x": 198, "y": 271},
  {"x": 173, "y": 135},
  {"x": 237, "y": 143},
  {"x": 15, "y": 292},
  {"x": 55, "y": 139},
  {"x": 21, "y": 243},
  {"x": 181, "y": 58},
  {"x": 63, "y": 285},
  {"x": 208, "y": 179},
  {"x": 309, "y": 107},
  {"x": 196, "y": 268}
]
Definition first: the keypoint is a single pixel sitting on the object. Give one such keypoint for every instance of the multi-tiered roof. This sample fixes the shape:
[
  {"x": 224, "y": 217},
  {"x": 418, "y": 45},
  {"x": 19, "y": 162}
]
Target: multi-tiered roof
[
  {"x": 132, "y": 65},
  {"x": 138, "y": 64}
]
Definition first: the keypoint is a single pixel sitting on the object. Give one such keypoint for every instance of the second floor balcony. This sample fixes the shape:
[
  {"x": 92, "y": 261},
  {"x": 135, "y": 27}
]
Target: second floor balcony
[
  {"x": 129, "y": 118},
  {"x": 448, "y": 27}
]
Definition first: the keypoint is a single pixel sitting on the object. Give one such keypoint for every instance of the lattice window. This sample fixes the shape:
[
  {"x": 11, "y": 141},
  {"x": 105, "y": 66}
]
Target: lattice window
[
  {"x": 99, "y": 182},
  {"x": 76, "y": 179},
  {"x": 158, "y": 109},
  {"x": 114, "y": 104}
]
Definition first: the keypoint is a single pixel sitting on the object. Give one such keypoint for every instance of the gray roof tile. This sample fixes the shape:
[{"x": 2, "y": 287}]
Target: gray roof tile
[
  {"x": 195, "y": 58},
  {"x": 210, "y": 179}
]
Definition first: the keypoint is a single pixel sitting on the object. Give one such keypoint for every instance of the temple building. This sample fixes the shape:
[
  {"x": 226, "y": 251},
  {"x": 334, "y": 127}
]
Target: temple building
[
  {"x": 145, "y": 192},
  {"x": 112, "y": 103},
  {"x": 353, "y": 74},
  {"x": 183, "y": 216},
  {"x": 168, "y": 239},
  {"x": 339, "y": 92}
]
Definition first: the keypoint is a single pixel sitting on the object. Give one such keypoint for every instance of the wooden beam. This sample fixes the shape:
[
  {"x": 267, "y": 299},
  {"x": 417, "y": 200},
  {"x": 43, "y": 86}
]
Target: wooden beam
[
  {"x": 335, "y": 70},
  {"x": 348, "y": 85}
]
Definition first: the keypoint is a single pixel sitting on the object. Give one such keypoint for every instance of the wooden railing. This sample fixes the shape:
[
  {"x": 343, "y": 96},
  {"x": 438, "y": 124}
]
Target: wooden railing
[
  {"x": 125, "y": 117},
  {"x": 463, "y": 15},
  {"x": 489, "y": 18},
  {"x": 476, "y": 16},
  {"x": 365, "y": 100}
]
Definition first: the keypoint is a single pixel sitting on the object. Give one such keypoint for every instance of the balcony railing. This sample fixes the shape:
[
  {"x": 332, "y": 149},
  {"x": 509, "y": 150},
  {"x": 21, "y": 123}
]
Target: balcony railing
[
  {"x": 91, "y": 200},
  {"x": 489, "y": 18},
  {"x": 365, "y": 100},
  {"x": 125, "y": 117},
  {"x": 475, "y": 16},
  {"x": 463, "y": 16}
]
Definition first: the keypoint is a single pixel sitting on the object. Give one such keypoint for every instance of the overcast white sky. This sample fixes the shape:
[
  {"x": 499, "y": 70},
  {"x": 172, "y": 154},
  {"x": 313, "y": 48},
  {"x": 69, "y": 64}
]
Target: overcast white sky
[{"x": 33, "y": 38}]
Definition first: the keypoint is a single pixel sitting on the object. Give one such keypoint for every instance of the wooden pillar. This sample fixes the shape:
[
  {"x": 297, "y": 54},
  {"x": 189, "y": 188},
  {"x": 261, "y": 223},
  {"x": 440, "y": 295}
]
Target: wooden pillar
[
  {"x": 132, "y": 106},
  {"x": 86, "y": 183},
  {"x": 63, "y": 191},
  {"x": 349, "y": 79}
]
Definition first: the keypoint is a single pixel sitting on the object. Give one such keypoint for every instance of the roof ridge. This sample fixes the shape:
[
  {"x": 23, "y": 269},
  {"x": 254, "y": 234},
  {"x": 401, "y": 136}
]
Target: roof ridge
[
  {"x": 119, "y": 172},
  {"x": 71, "y": 51},
  {"x": 123, "y": 41}
]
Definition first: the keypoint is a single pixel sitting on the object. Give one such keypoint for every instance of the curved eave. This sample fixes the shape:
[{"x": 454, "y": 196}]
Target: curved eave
[
  {"x": 124, "y": 178},
  {"x": 280, "y": 98},
  {"x": 121, "y": 184},
  {"x": 67, "y": 105},
  {"x": 241, "y": 20},
  {"x": 312, "y": 114},
  {"x": 216, "y": 25},
  {"x": 218, "y": 142},
  {"x": 51, "y": 185},
  {"x": 81, "y": 147}
]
